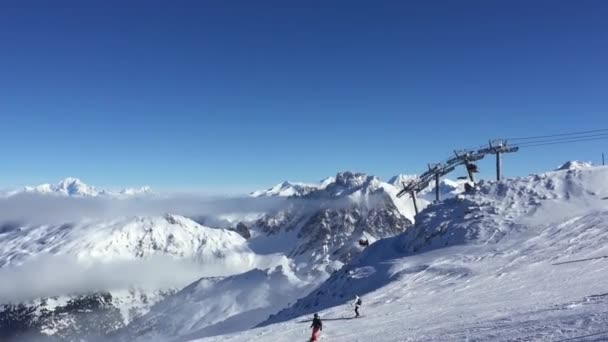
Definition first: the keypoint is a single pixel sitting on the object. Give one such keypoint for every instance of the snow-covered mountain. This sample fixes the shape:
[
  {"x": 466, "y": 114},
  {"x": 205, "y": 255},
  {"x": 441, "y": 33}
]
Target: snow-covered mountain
[
  {"x": 476, "y": 263},
  {"x": 520, "y": 259},
  {"x": 334, "y": 215},
  {"x": 120, "y": 267},
  {"x": 321, "y": 230},
  {"x": 121, "y": 239},
  {"x": 285, "y": 189},
  {"x": 71, "y": 186},
  {"x": 288, "y": 189},
  {"x": 315, "y": 233}
]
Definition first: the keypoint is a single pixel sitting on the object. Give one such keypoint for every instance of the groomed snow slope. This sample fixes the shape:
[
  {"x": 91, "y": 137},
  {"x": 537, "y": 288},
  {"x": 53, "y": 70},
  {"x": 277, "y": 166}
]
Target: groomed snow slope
[{"x": 512, "y": 262}]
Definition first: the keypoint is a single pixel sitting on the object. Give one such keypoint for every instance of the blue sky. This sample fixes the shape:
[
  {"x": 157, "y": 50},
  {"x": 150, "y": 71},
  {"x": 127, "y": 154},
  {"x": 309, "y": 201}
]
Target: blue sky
[{"x": 218, "y": 95}]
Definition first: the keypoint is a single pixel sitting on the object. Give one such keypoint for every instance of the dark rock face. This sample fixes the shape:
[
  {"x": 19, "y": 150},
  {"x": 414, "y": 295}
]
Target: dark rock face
[
  {"x": 243, "y": 230},
  {"x": 334, "y": 231},
  {"x": 329, "y": 224}
]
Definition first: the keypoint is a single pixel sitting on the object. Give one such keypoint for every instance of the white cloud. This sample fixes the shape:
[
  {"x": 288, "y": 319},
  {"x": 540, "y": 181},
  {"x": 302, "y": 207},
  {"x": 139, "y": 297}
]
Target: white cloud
[{"x": 56, "y": 275}]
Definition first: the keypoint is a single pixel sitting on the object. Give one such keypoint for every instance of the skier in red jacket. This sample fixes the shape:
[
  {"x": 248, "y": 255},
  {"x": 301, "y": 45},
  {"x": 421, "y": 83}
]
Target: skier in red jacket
[{"x": 317, "y": 327}]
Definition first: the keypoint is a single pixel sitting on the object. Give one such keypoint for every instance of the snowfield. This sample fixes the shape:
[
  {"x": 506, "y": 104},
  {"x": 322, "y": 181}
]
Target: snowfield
[{"x": 523, "y": 259}]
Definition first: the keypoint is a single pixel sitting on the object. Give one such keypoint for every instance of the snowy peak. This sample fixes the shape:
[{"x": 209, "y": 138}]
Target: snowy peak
[
  {"x": 342, "y": 183},
  {"x": 74, "y": 187},
  {"x": 348, "y": 183},
  {"x": 289, "y": 189},
  {"x": 400, "y": 179},
  {"x": 329, "y": 222},
  {"x": 144, "y": 190},
  {"x": 574, "y": 165},
  {"x": 352, "y": 180},
  {"x": 325, "y": 182},
  {"x": 286, "y": 189},
  {"x": 69, "y": 187}
]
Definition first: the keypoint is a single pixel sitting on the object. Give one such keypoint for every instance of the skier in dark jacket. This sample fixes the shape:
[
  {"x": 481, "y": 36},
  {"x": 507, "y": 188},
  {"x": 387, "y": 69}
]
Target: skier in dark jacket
[
  {"x": 316, "y": 326},
  {"x": 357, "y": 303}
]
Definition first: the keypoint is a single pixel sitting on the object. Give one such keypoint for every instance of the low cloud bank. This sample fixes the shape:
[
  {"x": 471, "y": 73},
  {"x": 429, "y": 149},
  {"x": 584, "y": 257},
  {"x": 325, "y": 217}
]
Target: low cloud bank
[
  {"x": 48, "y": 209},
  {"x": 56, "y": 275}
]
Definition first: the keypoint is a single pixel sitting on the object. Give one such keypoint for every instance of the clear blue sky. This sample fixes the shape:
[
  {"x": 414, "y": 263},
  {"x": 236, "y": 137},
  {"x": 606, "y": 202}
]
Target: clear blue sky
[{"x": 241, "y": 94}]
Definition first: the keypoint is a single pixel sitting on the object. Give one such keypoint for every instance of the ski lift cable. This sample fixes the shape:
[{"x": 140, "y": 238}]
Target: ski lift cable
[
  {"x": 564, "y": 142},
  {"x": 558, "y": 135},
  {"x": 562, "y": 139}
]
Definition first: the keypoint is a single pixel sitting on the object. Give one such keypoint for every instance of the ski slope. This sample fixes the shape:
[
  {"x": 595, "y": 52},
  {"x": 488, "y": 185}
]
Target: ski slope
[{"x": 518, "y": 260}]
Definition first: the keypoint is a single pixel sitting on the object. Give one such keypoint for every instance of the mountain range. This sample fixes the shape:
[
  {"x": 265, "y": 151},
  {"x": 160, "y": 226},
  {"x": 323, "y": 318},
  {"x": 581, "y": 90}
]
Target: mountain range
[{"x": 170, "y": 278}]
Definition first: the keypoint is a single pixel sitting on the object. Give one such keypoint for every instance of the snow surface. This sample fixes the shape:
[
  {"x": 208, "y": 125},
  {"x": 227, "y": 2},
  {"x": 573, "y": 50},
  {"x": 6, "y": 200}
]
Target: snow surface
[
  {"x": 519, "y": 260},
  {"x": 215, "y": 306}
]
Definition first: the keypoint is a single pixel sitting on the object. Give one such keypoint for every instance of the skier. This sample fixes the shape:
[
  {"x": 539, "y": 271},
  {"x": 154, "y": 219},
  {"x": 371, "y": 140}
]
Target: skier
[
  {"x": 316, "y": 326},
  {"x": 358, "y": 303}
]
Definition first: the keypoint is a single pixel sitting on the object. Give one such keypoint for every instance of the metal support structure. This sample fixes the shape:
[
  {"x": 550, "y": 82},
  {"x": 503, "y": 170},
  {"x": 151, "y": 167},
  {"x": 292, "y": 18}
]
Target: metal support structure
[
  {"x": 498, "y": 165},
  {"x": 467, "y": 158},
  {"x": 413, "y": 193},
  {"x": 470, "y": 171},
  {"x": 437, "y": 176},
  {"x": 603, "y": 160},
  {"x": 498, "y": 147}
]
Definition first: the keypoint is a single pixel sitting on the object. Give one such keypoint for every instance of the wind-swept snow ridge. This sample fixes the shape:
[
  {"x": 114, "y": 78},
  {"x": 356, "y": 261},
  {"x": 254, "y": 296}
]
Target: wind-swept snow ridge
[{"x": 574, "y": 165}]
